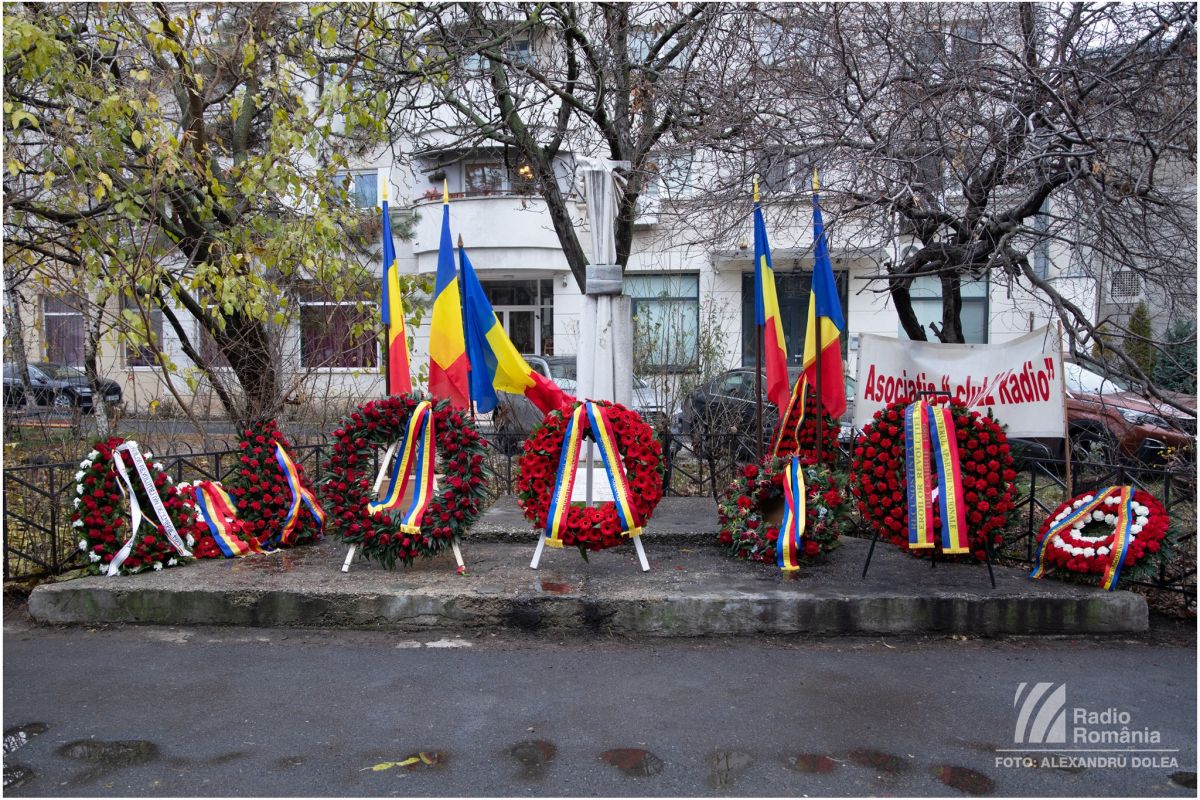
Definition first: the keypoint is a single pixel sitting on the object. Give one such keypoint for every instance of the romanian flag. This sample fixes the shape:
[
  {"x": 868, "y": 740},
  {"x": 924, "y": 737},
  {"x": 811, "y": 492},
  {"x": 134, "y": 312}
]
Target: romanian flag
[
  {"x": 825, "y": 317},
  {"x": 495, "y": 362},
  {"x": 398, "y": 373},
  {"x": 447, "y": 345},
  {"x": 766, "y": 314}
]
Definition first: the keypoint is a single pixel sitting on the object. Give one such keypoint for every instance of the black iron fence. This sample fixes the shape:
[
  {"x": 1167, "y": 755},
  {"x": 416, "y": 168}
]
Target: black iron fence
[{"x": 38, "y": 498}]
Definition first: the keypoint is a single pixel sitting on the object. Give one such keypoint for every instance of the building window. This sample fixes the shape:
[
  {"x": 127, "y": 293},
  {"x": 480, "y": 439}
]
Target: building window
[
  {"x": 144, "y": 317},
  {"x": 63, "y": 329},
  {"x": 666, "y": 316},
  {"x": 926, "y": 294},
  {"x": 362, "y": 188},
  {"x": 484, "y": 177},
  {"x": 792, "y": 290},
  {"x": 526, "y": 312},
  {"x": 336, "y": 334},
  {"x": 1125, "y": 285}
]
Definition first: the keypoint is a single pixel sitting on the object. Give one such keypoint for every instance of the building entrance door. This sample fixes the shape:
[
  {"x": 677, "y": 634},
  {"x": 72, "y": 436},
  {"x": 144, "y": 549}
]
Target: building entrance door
[{"x": 526, "y": 310}]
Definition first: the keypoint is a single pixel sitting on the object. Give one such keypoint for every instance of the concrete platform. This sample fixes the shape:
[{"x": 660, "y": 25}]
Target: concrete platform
[{"x": 691, "y": 590}]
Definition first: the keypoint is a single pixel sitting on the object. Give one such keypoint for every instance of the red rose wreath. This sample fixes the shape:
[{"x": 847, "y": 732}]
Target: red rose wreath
[
  {"x": 805, "y": 445},
  {"x": 749, "y": 534},
  {"x": 597, "y": 527},
  {"x": 102, "y": 514},
  {"x": 877, "y": 477},
  {"x": 261, "y": 492},
  {"x": 1086, "y": 546},
  {"x": 455, "y": 506}
]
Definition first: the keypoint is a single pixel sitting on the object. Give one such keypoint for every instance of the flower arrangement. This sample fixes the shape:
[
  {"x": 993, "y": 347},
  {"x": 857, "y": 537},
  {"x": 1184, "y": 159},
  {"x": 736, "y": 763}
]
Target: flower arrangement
[
  {"x": 877, "y": 477},
  {"x": 751, "y": 508},
  {"x": 260, "y": 488},
  {"x": 455, "y": 506},
  {"x": 597, "y": 527},
  {"x": 1086, "y": 546},
  {"x": 206, "y": 544},
  {"x": 101, "y": 514},
  {"x": 805, "y": 443}
]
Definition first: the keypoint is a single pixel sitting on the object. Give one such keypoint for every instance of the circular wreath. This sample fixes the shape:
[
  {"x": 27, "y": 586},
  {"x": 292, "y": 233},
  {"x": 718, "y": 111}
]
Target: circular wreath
[
  {"x": 206, "y": 545},
  {"x": 101, "y": 514},
  {"x": 452, "y": 510},
  {"x": 596, "y": 527},
  {"x": 1086, "y": 547},
  {"x": 877, "y": 477},
  {"x": 805, "y": 444},
  {"x": 750, "y": 509},
  {"x": 261, "y": 491}
]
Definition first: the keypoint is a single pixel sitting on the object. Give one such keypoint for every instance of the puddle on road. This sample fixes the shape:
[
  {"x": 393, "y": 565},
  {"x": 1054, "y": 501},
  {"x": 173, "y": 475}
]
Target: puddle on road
[
  {"x": 554, "y": 587},
  {"x": 419, "y": 761},
  {"x": 726, "y": 766},
  {"x": 634, "y": 762},
  {"x": 18, "y": 737},
  {"x": 1185, "y": 779},
  {"x": 967, "y": 781},
  {"x": 534, "y": 756},
  {"x": 885, "y": 763},
  {"x": 16, "y": 775},
  {"x": 812, "y": 763},
  {"x": 111, "y": 754}
]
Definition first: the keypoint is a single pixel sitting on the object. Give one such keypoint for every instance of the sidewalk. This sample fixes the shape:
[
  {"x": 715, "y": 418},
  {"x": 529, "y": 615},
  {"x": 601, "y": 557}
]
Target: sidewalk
[{"x": 692, "y": 589}]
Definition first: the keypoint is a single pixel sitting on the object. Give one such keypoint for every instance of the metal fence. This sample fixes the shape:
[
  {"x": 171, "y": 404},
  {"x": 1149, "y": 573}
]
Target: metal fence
[{"x": 38, "y": 540}]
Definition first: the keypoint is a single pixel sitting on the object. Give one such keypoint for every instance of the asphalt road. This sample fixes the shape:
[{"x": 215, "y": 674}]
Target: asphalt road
[{"x": 210, "y": 711}]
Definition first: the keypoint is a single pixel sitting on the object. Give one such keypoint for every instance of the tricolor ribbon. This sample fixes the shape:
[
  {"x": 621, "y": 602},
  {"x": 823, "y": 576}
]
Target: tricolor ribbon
[
  {"x": 584, "y": 417},
  {"x": 300, "y": 494},
  {"x": 219, "y": 512},
  {"x": 125, "y": 483},
  {"x": 929, "y": 427},
  {"x": 1122, "y": 535},
  {"x": 417, "y": 450},
  {"x": 787, "y": 546}
]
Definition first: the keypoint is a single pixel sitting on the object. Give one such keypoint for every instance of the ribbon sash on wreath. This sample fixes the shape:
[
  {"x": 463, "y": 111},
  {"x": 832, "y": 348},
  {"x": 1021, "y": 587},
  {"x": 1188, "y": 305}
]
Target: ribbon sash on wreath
[
  {"x": 927, "y": 427},
  {"x": 418, "y": 451},
  {"x": 584, "y": 417},
  {"x": 787, "y": 546},
  {"x": 218, "y": 511},
  {"x": 301, "y": 494},
  {"x": 125, "y": 483},
  {"x": 1122, "y": 535}
]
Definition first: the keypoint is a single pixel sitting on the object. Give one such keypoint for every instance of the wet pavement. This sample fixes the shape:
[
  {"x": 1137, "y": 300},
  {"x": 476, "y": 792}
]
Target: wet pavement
[{"x": 205, "y": 711}]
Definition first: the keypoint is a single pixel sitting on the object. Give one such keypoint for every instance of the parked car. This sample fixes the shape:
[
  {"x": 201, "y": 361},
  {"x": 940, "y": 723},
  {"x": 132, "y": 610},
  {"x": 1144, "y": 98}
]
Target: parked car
[
  {"x": 57, "y": 385},
  {"x": 1108, "y": 421},
  {"x": 515, "y": 416},
  {"x": 725, "y": 405}
]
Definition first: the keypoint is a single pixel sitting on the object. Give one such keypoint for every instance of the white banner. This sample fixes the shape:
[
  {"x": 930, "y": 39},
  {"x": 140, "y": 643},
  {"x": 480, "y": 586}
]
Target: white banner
[{"x": 1020, "y": 381}]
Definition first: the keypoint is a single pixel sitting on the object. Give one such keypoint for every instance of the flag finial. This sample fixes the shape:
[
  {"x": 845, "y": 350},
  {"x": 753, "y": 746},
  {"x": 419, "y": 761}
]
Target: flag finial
[
  {"x": 460, "y": 241},
  {"x": 816, "y": 181},
  {"x": 756, "y": 187},
  {"x": 385, "y": 197},
  {"x": 445, "y": 192}
]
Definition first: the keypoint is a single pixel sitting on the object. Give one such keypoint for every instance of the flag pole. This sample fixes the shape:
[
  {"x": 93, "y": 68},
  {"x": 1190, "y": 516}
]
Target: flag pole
[
  {"x": 820, "y": 409},
  {"x": 758, "y": 337},
  {"x": 387, "y": 350}
]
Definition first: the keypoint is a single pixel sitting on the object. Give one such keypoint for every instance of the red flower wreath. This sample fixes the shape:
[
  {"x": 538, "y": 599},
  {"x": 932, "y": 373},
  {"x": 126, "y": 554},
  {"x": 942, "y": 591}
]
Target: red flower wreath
[
  {"x": 877, "y": 477},
  {"x": 597, "y": 527},
  {"x": 747, "y": 533},
  {"x": 101, "y": 515},
  {"x": 806, "y": 444},
  {"x": 206, "y": 543},
  {"x": 1086, "y": 549},
  {"x": 260, "y": 490},
  {"x": 454, "y": 508}
]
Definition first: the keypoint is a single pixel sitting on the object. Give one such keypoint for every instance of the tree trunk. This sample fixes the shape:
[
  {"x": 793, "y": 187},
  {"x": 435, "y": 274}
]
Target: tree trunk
[
  {"x": 16, "y": 332},
  {"x": 91, "y": 345}
]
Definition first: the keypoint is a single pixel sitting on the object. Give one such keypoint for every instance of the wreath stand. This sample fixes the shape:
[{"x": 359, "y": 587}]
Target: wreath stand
[
  {"x": 933, "y": 559},
  {"x": 408, "y": 492},
  {"x": 589, "y": 498}
]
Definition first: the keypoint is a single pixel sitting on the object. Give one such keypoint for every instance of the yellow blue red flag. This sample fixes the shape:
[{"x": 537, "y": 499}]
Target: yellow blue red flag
[
  {"x": 766, "y": 314},
  {"x": 447, "y": 344},
  {"x": 399, "y": 380}
]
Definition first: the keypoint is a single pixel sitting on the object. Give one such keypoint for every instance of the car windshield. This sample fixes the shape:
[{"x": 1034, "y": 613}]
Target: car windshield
[
  {"x": 561, "y": 368},
  {"x": 1083, "y": 381},
  {"x": 61, "y": 372}
]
